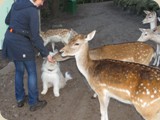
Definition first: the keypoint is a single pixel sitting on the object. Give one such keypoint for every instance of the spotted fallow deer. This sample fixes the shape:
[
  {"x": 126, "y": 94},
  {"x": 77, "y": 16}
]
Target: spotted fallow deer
[
  {"x": 137, "y": 52},
  {"x": 57, "y": 35},
  {"x": 151, "y": 18},
  {"x": 128, "y": 82}
]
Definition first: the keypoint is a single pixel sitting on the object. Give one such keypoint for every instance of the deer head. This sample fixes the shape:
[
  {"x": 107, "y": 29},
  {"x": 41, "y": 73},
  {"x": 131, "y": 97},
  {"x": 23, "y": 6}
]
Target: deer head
[
  {"x": 145, "y": 35},
  {"x": 73, "y": 47},
  {"x": 151, "y": 16}
]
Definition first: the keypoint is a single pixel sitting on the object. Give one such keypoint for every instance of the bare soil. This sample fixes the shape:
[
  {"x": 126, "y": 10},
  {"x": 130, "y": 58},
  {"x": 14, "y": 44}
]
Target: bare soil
[{"x": 113, "y": 25}]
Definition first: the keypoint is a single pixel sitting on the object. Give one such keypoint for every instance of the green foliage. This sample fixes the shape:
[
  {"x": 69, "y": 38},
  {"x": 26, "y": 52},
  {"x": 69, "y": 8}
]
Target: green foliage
[{"x": 137, "y": 6}]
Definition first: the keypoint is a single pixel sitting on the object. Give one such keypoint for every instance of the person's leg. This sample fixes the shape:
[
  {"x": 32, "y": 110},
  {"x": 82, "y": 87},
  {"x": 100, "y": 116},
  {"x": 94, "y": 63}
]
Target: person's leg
[
  {"x": 32, "y": 81},
  {"x": 34, "y": 102},
  {"x": 19, "y": 86}
]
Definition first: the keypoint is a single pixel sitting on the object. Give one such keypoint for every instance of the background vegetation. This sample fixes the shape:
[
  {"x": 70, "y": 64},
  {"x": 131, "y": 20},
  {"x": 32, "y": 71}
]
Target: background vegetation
[
  {"x": 53, "y": 8},
  {"x": 137, "y": 6}
]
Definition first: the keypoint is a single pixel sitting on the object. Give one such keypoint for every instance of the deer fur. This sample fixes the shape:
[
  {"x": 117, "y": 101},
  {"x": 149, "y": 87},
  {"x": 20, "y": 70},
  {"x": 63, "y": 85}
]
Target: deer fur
[
  {"x": 128, "y": 82},
  {"x": 140, "y": 53},
  {"x": 57, "y": 35},
  {"x": 148, "y": 34},
  {"x": 151, "y": 18}
]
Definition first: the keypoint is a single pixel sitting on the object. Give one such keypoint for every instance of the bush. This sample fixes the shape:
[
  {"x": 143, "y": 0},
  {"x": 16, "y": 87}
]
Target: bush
[{"x": 137, "y": 6}]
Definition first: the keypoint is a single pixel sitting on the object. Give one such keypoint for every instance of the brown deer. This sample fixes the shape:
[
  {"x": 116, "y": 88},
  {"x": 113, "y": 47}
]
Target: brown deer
[
  {"x": 128, "y": 82},
  {"x": 137, "y": 52}
]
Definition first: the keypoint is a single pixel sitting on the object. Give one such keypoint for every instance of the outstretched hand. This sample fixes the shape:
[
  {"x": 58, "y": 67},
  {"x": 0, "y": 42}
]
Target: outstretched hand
[{"x": 50, "y": 59}]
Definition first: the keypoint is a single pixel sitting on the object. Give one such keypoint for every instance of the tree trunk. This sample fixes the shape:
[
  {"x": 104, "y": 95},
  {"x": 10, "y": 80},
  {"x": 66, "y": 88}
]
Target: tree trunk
[{"x": 55, "y": 8}]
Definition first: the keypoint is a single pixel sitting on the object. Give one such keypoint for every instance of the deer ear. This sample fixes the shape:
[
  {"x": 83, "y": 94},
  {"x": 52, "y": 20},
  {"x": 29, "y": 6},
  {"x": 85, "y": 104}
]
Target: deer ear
[
  {"x": 146, "y": 11},
  {"x": 90, "y": 36},
  {"x": 73, "y": 32},
  {"x": 141, "y": 29}
]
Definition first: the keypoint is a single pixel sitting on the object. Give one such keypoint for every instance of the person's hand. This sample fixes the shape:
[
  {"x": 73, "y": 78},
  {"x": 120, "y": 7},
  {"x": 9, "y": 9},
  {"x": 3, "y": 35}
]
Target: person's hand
[{"x": 50, "y": 59}]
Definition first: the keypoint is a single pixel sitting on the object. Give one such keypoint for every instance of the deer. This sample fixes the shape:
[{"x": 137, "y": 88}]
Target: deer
[
  {"x": 127, "y": 82},
  {"x": 148, "y": 34},
  {"x": 57, "y": 35},
  {"x": 140, "y": 53},
  {"x": 151, "y": 17}
]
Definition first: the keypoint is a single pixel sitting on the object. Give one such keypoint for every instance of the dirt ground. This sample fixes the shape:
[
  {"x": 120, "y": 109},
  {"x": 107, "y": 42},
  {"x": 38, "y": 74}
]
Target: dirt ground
[{"x": 113, "y": 25}]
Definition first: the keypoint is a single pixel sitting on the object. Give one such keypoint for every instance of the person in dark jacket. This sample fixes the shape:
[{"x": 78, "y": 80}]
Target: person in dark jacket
[{"x": 20, "y": 39}]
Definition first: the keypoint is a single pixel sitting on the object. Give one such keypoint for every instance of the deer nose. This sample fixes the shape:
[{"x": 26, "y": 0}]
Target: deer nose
[{"x": 61, "y": 51}]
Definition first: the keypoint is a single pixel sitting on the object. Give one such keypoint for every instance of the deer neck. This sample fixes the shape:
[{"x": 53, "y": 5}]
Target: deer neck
[
  {"x": 156, "y": 37},
  {"x": 153, "y": 25},
  {"x": 83, "y": 60}
]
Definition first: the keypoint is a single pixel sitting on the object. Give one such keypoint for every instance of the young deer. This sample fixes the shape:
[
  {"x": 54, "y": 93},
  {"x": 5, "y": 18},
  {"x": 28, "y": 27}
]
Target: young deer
[
  {"x": 148, "y": 34},
  {"x": 151, "y": 17},
  {"x": 137, "y": 52},
  {"x": 127, "y": 82},
  {"x": 57, "y": 35}
]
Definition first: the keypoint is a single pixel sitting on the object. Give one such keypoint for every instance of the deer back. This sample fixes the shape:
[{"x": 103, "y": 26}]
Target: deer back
[
  {"x": 132, "y": 52},
  {"x": 128, "y": 81}
]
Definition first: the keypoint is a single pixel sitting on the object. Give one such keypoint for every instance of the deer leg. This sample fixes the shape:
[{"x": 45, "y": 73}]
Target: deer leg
[
  {"x": 46, "y": 42},
  {"x": 104, "y": 101},
  {"x": 156, "y": 56},
  {"x": 155, "y": 60},
  {"x": 53, "y": 45}
]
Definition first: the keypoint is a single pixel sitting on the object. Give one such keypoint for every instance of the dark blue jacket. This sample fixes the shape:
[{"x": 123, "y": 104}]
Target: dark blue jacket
[{"x": 23, "y": 16}]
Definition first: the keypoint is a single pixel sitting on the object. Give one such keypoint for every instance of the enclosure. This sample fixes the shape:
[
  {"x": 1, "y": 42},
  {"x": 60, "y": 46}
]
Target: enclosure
[{"x": 113, "y": 25}]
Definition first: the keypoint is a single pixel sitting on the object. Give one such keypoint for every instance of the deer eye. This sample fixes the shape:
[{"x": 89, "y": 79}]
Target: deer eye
[{"x": 76, "y": 44}]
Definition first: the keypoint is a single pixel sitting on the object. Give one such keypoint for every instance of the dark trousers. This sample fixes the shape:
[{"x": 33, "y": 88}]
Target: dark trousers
[{"x": 30, "y": 67}]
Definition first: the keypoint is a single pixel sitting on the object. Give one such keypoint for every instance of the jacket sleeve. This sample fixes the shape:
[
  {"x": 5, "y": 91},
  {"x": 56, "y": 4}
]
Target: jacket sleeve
[{"x": 35, "y": 37}]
